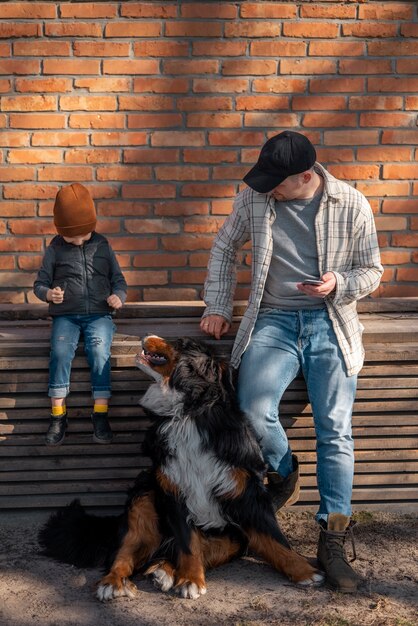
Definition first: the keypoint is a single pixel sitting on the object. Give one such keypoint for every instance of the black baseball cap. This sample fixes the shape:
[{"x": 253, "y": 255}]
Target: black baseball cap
[{"x": 281, "y": 156}]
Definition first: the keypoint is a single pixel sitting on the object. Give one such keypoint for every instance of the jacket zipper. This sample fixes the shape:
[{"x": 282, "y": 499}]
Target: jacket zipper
[{"x": 86, "y": 291}]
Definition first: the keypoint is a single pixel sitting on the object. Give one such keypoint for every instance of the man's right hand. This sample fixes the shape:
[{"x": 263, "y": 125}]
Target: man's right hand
[
  {"x": 215, "y": 325},
  {"x": 55, "y": 295}
]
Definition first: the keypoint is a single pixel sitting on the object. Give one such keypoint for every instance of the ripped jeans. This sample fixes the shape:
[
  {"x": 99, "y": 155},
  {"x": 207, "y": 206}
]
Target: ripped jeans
[{"x": 97, "y": 331}]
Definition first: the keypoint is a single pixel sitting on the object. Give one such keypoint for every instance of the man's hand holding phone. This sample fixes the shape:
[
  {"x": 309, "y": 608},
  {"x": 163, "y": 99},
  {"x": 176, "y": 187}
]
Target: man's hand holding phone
[{"x": 318, "y": 288}]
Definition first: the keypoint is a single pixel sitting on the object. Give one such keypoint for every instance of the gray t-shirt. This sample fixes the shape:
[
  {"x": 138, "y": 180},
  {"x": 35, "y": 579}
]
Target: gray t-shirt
[{"x": 295, "y": 255}]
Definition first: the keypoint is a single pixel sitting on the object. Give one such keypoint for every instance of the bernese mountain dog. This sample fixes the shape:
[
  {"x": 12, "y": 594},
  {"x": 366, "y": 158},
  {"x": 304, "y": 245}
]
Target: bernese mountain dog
[{"x": 203, "y": 503}]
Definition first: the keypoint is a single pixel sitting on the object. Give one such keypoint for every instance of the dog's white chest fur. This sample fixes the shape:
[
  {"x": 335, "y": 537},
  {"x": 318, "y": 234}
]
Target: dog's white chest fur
[{"x": 197, "y": 472}]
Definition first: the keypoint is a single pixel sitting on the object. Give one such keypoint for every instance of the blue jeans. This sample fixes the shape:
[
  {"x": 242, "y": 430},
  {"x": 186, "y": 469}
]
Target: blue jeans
[
  {"x": 98, "y": 333},
  {"x": 283, "y": 344}
]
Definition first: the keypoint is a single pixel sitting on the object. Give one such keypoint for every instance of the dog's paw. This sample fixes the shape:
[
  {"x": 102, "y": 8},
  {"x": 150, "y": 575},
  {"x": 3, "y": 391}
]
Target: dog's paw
[
  {"x": 190, "y": 590},
  {"x": 162, "y": 579},
  {"x": 315, "y": 580},
  {"x": 117, "y": 589}
]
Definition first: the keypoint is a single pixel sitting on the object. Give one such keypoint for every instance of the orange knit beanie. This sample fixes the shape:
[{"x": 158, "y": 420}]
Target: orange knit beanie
[{"x": 74, "y": 211}]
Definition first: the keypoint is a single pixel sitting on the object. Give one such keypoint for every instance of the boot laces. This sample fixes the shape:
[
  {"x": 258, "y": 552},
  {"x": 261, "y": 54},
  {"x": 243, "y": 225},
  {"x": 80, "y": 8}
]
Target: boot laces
[{"x": 336, "y": 539}]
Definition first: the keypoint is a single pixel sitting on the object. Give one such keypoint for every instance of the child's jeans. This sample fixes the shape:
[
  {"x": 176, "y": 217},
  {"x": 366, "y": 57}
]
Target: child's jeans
[
  {"x": 283, "y": 343},
  {"x": 98, "y": 333}
]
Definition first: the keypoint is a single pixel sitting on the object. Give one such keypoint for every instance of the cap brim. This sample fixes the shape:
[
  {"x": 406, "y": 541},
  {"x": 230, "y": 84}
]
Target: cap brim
[{"x": 262, "y": 181}]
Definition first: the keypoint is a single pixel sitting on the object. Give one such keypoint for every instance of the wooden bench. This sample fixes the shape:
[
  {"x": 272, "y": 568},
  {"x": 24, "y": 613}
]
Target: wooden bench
[{"x": 34, "y": 476}]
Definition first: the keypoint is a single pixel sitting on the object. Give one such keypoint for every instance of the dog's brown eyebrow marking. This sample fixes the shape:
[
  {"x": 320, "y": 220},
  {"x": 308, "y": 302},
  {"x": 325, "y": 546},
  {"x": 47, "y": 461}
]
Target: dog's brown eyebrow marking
[
  {"x": 241, "y": 477},
  {"x": 165, "y": 483}
]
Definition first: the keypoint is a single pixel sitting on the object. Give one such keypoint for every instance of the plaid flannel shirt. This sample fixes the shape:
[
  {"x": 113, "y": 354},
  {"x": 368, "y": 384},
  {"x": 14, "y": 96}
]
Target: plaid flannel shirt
[{"x": 346, "y": 244}]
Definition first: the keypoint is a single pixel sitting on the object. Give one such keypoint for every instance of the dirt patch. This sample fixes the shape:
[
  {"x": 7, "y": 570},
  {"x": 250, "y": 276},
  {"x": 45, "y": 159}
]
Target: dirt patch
[{"x": 35, "y": 590}]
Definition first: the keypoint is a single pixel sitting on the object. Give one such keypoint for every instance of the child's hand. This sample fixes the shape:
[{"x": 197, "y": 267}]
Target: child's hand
[
  {"x": 114, "y": 301},
  {"x": 55, "y": 295}
]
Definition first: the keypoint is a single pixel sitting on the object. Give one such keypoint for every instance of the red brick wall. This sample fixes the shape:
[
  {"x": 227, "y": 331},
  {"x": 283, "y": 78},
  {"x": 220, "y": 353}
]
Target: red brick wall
[{"x": 161, "y": 107}]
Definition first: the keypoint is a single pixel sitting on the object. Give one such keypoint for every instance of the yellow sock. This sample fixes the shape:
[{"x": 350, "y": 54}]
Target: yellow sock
[
  {"x": 56, "y": 411},
  {"x": 100, "y": 408}
]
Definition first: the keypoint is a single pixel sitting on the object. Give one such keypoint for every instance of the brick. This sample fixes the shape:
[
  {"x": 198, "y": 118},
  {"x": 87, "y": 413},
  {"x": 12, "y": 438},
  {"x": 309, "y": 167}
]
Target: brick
[
  {"x": 181, "y": 172},
  {"x": 11, "y": 30},
  {"x": 199, "y": 259},
  {"x": 269, "y": 10},
  {"x": 405, "y": 240},
  {"x": 209, "y": 10},
  {"x": 411, "y": 103},
  {"x": 271, "y": 119},
  {"x": 145, "y": 103},
  {"x": 388, "y": 119},
  {"x": 64, "y": 139},
  {"x": 118, "y": 139},
  {"x": 122, "y": 208},
  {"x": 155, "y": 120},
  {"x": 236, "y": 138},
  {"x": 225, "y": 85},
  {"x": 34, "y": 156},
  {"x": 143, "y": 9},
  {"x": 333, "y": 12},
  {"x": 17, "y": 209},
  {"x": 261, "y": 103},
  {"x": 24, "y": 10},
  {"x": 329, "y": 119},
  {"x": 400, "y": 136},
  {"x": 337, "y": 85},
  {"x": 188, "y": 276},
  {"x": 104, "y": 84},
  {"x": 88, "y": 103},
  {"x": 92, "y": 155},
  {"x": 407, "y": 274},
  {"x": 130, "y": 66},
  {"x": 279, "y": 85},
  {"x": 154, "y": 277},
  {"x": 161, "y": 48},
  {"x": 71, "y": 66},
  {"x": 160, "y": 260},
  {"x": 400, "y": 205},
  {"x": 402, "y": 171},
  {"x": 88, "y": 10},
  {"x": 14, "y": 139},
  {"x": 214, "y": 120},
  {"x": 394, "y": 257},
  {"x": 161, "y": 85},
  {"x": 307, "y": 66},
  {"x": 364, "y": 66},
  {"x": 65, "y": 174},
  {"x": 15, "y": 174},
  {"x": 17, "y": 66},
  {"x": 32, "y": 227},
  {"x": 409, "y": 30},
  {"x": 133, "y": 243},
  {"x": 101, "y": 49},
  {"x": 30, "y": 120},
  {"x": 95, "y": 120},
  {"x": 177, "y": 138},
  {"x": 171, "y": 294},
  {"x": 383, "y": 188},
  {"x": 194, "y": 29},
  {"x": 321, "y": 30},
  {"x": 278, "y": 48},
  {"x": 354, "y": 172},
  {"x": 219, "y": 48},
  {"x": 202, "y": 103},
  {"x": 73, "y": 29},
  {"x": 393, "y": 48},
  {"x": 406, "y": 66},
  {"x": 153, "y": 226},
  {"x": 387, "y": 11},
  {"x": 123, "y": 172},
  {"x": 42, "y": 48},
  {"x": 249, "y": 67},
  {"x": 253, "y": 29},
  {"x": 379, "y": 103},
  {"x": 335, "y": 155},
  {"x": 133, "y": 29},
  {"x": 24, "y": 244},
  {"x": 148, "y": 191},
  {"x": 383, "y": 153},
  {"x": 351, "y": 137},
  {"x": 179, "y": 243},
  {"x": 336, "y": 48},
  {"x": 28, "y": 103},
  {"x": 42, "y": 85},
  {"x": 182, "y": 208},
  {"x": 317, "y": 103},
  {"x": 5, "y": 85},
  {"x": 151, "y": 155},
  {"x": 7, "y": 262},
  {"x": 233, "y": 172},
  {"x": 365, "y": 29},
  {"x": 407, "y": 85},
  {"x": 196, "y": 66},
  {"x": 212, "y": 190}
]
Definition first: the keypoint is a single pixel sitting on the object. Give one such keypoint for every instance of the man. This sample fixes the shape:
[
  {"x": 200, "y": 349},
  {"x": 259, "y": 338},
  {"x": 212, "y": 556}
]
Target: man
[{"x": 314, "y": 254}]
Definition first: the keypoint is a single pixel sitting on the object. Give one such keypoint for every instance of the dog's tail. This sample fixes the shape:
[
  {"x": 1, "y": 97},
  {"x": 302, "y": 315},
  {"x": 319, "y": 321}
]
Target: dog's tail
[{"x": 73, "y": 536}]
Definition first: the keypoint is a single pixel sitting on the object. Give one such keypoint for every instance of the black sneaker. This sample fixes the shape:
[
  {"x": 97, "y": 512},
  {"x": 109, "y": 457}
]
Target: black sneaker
[
  {"x": 56, "y": 431},
  {"x": 102, "y": 432}
]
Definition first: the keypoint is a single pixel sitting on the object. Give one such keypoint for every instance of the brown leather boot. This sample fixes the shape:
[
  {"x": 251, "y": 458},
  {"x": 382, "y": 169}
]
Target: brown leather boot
[
  {"x": 331, "y": 555},
  {"x": 284, "y": 491}
]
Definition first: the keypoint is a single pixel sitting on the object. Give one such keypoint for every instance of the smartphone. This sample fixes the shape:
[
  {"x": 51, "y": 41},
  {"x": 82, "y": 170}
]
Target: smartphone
[{"x": 315, "y": 282}]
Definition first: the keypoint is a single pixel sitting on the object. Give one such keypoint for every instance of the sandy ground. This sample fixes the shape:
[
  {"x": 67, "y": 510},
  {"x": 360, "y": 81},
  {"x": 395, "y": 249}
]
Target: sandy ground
[{"x": 37, "y": 591}]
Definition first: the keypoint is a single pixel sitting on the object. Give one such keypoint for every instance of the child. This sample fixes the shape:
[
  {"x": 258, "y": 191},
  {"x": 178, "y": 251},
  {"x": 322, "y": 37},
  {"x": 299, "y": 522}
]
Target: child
[{"x": 81, "y": 279}]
